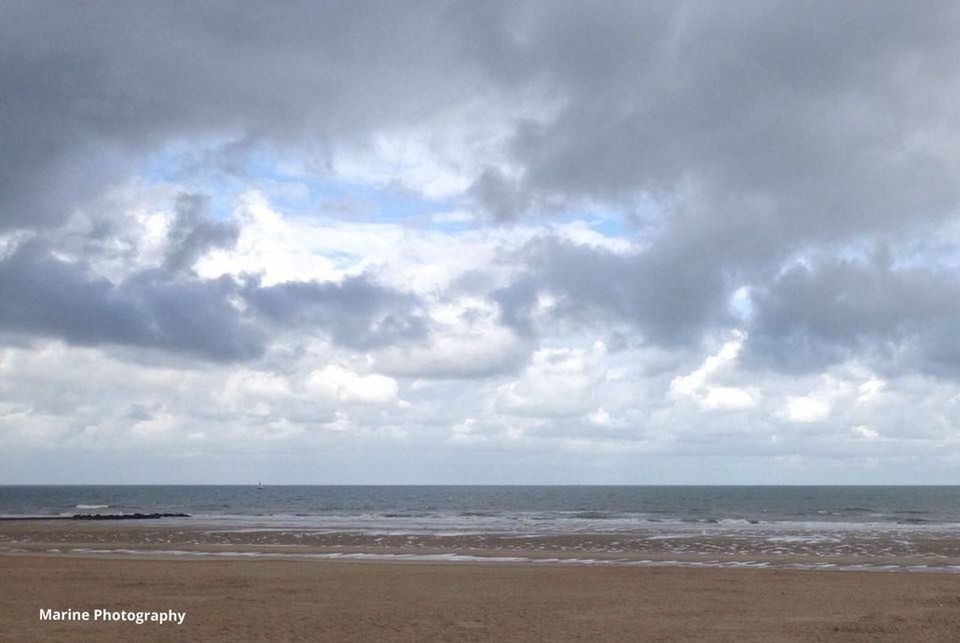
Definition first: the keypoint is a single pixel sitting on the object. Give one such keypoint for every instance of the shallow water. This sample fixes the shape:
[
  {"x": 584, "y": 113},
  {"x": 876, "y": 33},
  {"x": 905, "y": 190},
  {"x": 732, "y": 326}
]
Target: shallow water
[{"x": 912, "y": 526}]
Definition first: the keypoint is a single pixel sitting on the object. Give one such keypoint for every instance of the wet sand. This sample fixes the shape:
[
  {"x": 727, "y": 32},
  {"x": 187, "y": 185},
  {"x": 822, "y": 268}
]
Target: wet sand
[
  {"x": 289, "y": 600},
  {"x": 922, "y": 553}
]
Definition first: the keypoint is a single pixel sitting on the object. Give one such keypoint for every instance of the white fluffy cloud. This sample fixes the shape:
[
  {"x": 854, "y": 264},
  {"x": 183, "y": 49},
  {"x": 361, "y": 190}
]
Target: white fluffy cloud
[
  {"x": 699, "y": 385},
  {"x": 806, "y": 408},
  {"x": 557, "y": 382},
  {"x": 341, "y": 384}
]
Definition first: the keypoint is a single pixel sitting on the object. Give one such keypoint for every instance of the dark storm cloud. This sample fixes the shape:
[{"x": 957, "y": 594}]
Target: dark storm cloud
[
  {"x": 892, "y": 318},
  {"x": 41, "y": 295}
]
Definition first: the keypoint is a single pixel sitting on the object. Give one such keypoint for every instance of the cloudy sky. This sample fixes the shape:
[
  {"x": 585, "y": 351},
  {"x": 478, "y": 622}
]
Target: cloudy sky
[{"x": 480, "y": 242}]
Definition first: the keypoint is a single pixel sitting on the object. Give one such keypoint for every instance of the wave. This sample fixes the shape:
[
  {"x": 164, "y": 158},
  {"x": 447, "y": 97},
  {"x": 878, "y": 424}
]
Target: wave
[
  {"x": 596, "y": 515},
  {"x": 721, "y": 521},
  {"x": 468, "y": 558},
  {"x": 408, "y": 514},
  {"x": 82, "y": 506}
]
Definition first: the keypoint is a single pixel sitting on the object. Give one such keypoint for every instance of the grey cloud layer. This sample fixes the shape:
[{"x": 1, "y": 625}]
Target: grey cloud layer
[
  {"x": 90, "y": 88},
  {"x": 824, "y": 110},
  {"x": 758, "y": 130},
  {"x": 193, "y": 233},
  {"x": 892, "y": 318},
  {"x": 43, "y": 295},
  {"x": 157, "y": 308},
  {"x": 669, "y": 298},
  {"x": 357, "y": 313}
]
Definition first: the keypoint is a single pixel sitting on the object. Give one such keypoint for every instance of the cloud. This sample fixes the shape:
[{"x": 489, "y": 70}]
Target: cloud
[
  {"x": 557, "y": 383},
  {"x": 193, "y": 234},
  {"x": 454, "y": 354},
  {"x": 118, "y": 86},
  {"x": 698, "y": 385},
  {"x": 723, "y": 133},
  {"x": 671, "y": 299},
  {"x": 341, "y": 384},
  {"x": 247, "y": 391},
  {"x": 805, "y": 409},
  {"x": 42, "y": 295},
  {"x": 258, "y": 227},
  {"x": 356, "y": 312},
  {"x": 896, "y": 317},
  {"x": 631, "y": 99},
  {"x": 740, "y": 103},
  {"x": 864, "y": 432},
  {"x": 219, "y": 319},
  {"x": 727, "y": 398}
]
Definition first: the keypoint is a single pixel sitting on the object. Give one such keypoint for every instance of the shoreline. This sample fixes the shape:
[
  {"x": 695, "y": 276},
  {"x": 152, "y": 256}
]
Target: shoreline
[
  {"x": 442, "y": 558},
  {"x": 186, "y": 540},
  {"x": 163, "y": 540}
]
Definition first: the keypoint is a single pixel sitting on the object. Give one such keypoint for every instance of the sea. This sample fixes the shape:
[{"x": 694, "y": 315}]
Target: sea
[
  {"x": 549, "y": 508},
  {"x": 913, "y": 526}
]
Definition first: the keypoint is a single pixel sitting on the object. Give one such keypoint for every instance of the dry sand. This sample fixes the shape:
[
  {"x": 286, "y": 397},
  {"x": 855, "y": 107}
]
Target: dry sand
[{"x": 289, "y": 600}]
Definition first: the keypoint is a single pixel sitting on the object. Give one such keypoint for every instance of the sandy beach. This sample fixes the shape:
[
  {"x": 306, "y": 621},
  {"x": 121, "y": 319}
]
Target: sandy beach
[
  {"x": 278, "y": 600},
  {"x": 239, "y": 583},
  {"x": 255, "y": 584}
]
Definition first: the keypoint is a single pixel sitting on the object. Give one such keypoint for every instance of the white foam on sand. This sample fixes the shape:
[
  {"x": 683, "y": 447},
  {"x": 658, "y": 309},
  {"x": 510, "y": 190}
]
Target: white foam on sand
[{"x": 466, "y": 558}]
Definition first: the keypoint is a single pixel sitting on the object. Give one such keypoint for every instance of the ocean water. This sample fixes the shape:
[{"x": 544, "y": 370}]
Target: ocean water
[
  {"x": 875, "y": 528},
  {"x": 506, "y": 508}
]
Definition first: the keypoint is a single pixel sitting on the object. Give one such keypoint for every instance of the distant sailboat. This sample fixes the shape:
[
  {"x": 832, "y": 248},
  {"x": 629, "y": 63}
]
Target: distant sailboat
[{"x": 259, "y": 485}]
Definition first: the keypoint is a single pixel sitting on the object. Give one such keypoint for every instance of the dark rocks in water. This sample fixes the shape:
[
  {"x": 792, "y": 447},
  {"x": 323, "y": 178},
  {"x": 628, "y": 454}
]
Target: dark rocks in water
[{"x": 135, "y": 516}]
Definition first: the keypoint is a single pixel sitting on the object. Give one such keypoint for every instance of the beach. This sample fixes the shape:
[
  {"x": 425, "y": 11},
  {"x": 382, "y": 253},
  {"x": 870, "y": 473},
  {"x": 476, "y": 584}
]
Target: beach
[
  {"x": 242, "y": 583},
  {"x": 328, "y": 600},
  {"x": 479, "y": 564}
]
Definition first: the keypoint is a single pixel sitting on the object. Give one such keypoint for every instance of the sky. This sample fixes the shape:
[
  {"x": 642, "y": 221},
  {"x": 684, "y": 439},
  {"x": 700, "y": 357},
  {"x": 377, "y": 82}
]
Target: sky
[{"x": 499, "y": 242}]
